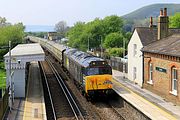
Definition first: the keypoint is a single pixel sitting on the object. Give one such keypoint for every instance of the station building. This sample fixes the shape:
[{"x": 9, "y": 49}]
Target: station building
[
  {"x": 162, "y": 61},
  {"x": 17, "y": 68}
]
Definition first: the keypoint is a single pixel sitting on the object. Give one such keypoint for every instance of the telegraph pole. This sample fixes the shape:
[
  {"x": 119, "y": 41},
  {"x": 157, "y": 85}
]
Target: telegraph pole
[
  {"x": 101, "y": 46},
  {"x": 88, "y": 43}
]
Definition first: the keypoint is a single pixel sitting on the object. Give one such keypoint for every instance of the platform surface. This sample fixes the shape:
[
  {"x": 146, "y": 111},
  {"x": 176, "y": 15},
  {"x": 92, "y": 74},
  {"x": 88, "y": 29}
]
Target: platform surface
[
  {"x": 152, "y": 105},
  {"x": 33, "y": 106}
]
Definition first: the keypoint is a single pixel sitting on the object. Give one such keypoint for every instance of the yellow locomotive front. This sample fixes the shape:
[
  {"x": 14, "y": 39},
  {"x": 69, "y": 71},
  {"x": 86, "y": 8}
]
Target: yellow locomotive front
[{"x": 98, "y": 78}]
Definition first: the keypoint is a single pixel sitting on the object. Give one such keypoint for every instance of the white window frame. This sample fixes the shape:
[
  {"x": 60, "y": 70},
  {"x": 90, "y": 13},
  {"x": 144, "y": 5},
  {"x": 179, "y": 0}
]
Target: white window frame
[
  {"x": 134, "y": 50},
  {"x": 150, "y": 74},
  {"x": 174, "y": 78}
]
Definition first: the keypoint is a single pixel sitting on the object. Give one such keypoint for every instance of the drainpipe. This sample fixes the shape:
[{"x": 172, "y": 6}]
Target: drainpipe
[{"x": 142, "y": 67}]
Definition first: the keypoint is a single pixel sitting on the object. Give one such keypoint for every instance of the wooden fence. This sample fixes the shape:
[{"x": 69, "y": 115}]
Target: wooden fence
[
  {"x": 3, "y": 104},
  {"x": 117, "y": 64}
]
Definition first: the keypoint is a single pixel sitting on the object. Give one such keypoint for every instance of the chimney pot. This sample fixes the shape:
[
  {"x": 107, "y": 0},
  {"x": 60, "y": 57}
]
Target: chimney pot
[
  {"x": 165, "y": 11},
  {"x": 161, "y": 12},
  {"x": 151, "y": 22}
]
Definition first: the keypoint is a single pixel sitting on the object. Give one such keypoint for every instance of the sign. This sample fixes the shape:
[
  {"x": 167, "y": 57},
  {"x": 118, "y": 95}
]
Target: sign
[{"x": 161, "y": 69}]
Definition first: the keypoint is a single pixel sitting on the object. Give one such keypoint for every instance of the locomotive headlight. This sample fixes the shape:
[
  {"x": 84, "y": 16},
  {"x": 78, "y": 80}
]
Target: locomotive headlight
[{"x": 109, "y": 86}]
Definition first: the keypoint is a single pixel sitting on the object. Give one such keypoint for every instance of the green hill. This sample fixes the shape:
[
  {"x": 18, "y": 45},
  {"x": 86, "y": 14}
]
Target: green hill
[
  {"x": 152, "y": 10},
  {"x": 140, "y": 17}
]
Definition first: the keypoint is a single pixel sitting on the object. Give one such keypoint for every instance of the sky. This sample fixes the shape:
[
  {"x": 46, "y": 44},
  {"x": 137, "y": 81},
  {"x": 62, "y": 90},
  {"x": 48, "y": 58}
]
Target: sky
[{"x": 50, "y": 12}]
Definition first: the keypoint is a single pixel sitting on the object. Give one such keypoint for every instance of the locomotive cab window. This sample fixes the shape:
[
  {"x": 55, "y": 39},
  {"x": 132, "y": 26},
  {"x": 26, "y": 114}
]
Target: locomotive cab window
[{"x": 98, "y": 71}]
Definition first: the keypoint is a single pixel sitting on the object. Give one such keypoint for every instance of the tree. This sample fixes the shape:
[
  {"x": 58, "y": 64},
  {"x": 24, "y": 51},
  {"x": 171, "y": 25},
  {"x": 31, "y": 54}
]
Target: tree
[
  {"x": 13, "y": 33},
  {"x": 74, "y": 34},
  {"x": 109, "y": 31},
  {"x": 113, "y": 40},
  {"x": 3, "y": 22},
  {"x": 61, "y": 27},
  {"x": 175, "y": 21},
  {"x": 113, "y": 23},
  {"x": 116, "y": 52},
  {"x": 95, "y": 32}
]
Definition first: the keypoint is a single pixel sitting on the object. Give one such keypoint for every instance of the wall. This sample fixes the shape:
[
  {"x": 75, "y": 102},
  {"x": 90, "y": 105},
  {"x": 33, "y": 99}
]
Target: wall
[
  {"x": 19, "y": 82},
  {"x": 161, "y": 80},
  {"x": 135, "y": 61}
]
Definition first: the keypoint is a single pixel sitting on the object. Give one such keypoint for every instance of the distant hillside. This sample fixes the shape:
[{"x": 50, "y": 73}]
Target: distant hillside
[
  {"x": 140, "y": 17},
  {"x": 152, "y": 10}
]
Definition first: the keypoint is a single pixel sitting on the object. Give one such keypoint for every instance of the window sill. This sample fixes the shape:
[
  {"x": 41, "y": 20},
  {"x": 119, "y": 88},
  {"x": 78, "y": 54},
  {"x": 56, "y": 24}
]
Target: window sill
[
  {"x": 173, "y": 93},
  {"x": 150, "y": 82}
]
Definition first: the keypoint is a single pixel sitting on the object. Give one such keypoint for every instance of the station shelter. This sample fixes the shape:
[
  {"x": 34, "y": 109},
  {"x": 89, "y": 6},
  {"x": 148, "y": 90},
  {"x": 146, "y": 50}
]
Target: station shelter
[{"x": 21, "y": 56}]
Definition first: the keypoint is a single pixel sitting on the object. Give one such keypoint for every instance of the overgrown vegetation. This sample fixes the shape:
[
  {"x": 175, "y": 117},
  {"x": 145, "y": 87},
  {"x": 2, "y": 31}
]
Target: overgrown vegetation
[{"x": 107, "y": 32}]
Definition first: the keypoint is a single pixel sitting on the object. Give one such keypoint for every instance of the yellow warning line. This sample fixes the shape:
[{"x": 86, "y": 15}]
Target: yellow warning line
[
  {"x": 26, "y": 98},
  {"x": 129, "y": 90}
]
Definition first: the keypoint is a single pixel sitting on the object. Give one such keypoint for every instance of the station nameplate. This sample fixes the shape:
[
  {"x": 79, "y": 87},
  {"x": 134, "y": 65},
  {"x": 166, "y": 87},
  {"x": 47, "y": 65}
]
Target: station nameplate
[{"x": 161, "y": 69}]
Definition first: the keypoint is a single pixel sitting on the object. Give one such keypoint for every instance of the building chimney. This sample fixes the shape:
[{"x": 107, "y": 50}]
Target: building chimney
[
  {"x": 163, "y": 24},
  {"x": 151, "y": 22}
]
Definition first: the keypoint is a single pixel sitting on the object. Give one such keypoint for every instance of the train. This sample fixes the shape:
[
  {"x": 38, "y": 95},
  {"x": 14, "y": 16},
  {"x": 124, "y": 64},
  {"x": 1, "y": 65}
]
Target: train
[{"x": 92, "y": 75}]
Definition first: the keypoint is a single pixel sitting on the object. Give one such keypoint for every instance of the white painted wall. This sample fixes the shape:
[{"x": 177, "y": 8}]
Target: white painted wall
[
  {"x": 18, "y": 77},
  {"x": 135, "y": 61}
]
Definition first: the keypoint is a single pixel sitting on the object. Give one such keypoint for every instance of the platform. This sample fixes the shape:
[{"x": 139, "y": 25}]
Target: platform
[
  {"x": 33, "y": 106},
  {"x": 152, "y": 105}
]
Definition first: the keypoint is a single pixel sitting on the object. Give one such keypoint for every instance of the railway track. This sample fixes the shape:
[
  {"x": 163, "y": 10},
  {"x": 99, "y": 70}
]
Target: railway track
[
  {"x": 104, "y": 105},
  {"x": 61, "y": 104}
]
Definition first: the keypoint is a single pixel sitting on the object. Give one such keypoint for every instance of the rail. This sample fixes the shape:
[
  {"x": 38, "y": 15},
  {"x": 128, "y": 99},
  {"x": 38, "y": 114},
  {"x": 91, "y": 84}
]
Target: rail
[
  {"x": 49, "y": 92},
  {"x": 70, "y": 99}
]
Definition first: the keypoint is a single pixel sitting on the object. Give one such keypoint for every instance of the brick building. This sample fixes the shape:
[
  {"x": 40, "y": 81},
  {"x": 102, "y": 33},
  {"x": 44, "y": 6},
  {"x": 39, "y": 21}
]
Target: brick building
[{"x": 162, "y": 61}]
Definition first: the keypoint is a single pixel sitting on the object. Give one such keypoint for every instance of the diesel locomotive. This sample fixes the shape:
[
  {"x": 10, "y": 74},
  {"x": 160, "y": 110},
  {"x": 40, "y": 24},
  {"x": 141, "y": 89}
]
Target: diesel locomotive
[{"x": 91, "y": 74}]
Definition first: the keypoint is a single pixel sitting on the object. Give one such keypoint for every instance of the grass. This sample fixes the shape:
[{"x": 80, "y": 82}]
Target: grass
[{"x": 2, "y": 76}]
